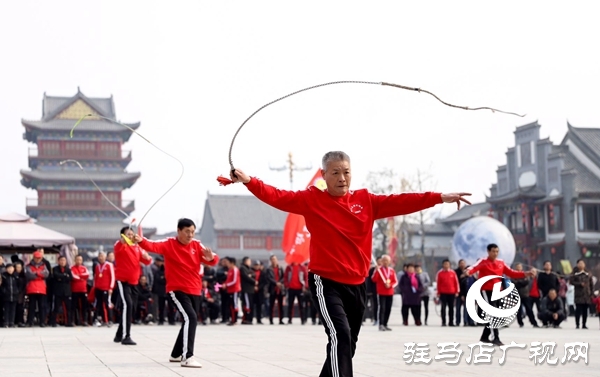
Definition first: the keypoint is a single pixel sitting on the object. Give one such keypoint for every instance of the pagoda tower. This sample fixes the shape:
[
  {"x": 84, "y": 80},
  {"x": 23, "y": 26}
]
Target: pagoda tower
[{"x": 67, "y": 201}]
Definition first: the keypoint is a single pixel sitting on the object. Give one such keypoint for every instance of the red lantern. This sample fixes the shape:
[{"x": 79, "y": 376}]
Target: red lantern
[
  {"x": 583, "y": 250},
  {"x": 550, "y": 206},
  {"x": 552, "y": 222},
  {"x": 553, "y": 250}
]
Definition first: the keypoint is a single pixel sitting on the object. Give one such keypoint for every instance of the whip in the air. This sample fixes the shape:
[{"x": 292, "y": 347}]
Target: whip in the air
[{"x": 225, "y": 181}]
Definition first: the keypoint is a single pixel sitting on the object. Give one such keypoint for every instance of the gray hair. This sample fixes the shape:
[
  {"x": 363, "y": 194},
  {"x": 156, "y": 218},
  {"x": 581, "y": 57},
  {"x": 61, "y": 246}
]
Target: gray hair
[{"x": 334, "y": 156}]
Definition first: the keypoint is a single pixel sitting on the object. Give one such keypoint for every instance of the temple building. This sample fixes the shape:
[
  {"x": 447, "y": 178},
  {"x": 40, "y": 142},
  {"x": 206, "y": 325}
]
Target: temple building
[
  {"x": 241, "y": 225},
  {"x": 548, "y": 195},
  {"x": 67, "y": 201}
]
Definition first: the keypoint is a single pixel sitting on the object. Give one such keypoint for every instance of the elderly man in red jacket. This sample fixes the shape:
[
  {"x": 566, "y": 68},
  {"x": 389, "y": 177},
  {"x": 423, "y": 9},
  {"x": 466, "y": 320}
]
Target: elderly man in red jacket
[
  {"x": 340, "y": 222},
  {"x": 448, "y": 288},
  {"x": 128, "y": 257},
  {"x": 184, "y": 257},
  {"x": 494, "y": 266}
]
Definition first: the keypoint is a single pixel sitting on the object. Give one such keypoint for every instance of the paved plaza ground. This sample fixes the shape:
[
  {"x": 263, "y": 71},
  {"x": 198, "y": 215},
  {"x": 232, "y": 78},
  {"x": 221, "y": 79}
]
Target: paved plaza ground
[{"x": 279, "y": 351}]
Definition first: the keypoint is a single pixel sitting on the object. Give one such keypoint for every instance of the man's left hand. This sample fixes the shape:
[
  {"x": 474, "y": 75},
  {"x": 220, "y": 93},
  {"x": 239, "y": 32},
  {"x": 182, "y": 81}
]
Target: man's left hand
[
  {"x": 207, "y": 253},
  {"x": 456, "y": 197}
]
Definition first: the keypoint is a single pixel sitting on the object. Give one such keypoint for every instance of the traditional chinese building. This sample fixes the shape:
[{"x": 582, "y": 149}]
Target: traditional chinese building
[
  {"x": 549, "y": 195},
  {"x": 241, "y": 225},
  {"x": 67, "y": 201}
]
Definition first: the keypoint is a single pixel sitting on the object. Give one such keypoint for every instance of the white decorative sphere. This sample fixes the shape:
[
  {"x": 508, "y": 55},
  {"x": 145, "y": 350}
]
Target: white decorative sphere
[{"x": 472, "y": 237}]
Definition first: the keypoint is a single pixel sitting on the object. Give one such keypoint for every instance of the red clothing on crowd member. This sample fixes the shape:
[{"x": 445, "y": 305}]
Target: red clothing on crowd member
[
  {"x": 80, "y": 278},
  {"x": 388, "y": 273},
  {"x": 233, "y": 284},
  {"x": 341, "y": 227},
  {"x": 257, "y": 276},
  {"x": 127, "y": 262},
  {"x": 36, "y": 274},
  {"x": 296, "y": 277},
  {"x": 104, "y": 276},
  {"x": 447, "y": 282},
  {"x": 485, "y": 267},
  {"x": 596, "y": 301},
  {"x": 534, "y": 291},
  {"x": 183, "y": 263}
]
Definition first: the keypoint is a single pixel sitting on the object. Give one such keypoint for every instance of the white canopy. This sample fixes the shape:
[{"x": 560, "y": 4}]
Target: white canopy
[{"x": 18, "y": 230}]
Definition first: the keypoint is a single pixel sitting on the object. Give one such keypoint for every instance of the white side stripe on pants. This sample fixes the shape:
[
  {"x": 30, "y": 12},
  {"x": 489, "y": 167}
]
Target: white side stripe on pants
[
  {"x": 124, "y": 319},
  {"x": 186, "y": 324},
  {"x": 332, "y": 334}
]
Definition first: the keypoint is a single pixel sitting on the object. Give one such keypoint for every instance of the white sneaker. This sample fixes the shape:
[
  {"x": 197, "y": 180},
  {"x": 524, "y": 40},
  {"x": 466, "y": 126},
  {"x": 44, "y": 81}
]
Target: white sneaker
[
  {"x": 192, "y": 362},
  {"x": 174, "y": 359}
]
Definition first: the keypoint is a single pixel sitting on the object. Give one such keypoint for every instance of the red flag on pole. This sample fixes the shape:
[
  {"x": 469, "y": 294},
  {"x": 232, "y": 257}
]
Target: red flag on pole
[{"x": 296, "y": 238}]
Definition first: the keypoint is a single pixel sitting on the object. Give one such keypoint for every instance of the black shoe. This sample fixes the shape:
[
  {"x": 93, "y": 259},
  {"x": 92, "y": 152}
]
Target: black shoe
[
  {"x": 21, "y": 325},
  {"x": 382, "y": 328},
  {"x": 387, "y": 328},
  {"x": 246, "y": 323},
  {"x": 270, "y": 322},
  {"x": 161, "y": 323},
  {"x": 259, "y": 323},
  {"x": 69, "y": 325},
  {"x": 584, "y": 327},
  {"x": 497, "y": 342},
  {"x": 118, "y": 338},
  {"x": 281, "y": 323},
  {"x": 521, "y": 325},
  {"x": 536, "y": 325},
  {"x": 128, "y": 342},
  {"x": 42, "y": 325},
  {"x": 484, "y": 340},
  {"x": 443, "y": 325},
  {"x": 231, "y": 324},
  {"x": 557, "y": 327},
  {"x": 54, "y": 325},
  {"x": 451, "y": 325}
]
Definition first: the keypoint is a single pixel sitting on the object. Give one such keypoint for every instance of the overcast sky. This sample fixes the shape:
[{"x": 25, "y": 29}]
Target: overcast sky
[{"x": 192, "y": 71}]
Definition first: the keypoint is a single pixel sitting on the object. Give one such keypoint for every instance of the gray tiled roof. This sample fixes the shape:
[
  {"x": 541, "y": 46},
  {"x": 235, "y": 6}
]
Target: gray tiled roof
[
  {"x": 85, "y": 125},
  {"x": 431, "y": 228},
  {"x": 585, "y": 181},
  {"x": 466, "y": 212},
  {"x": 534, "y": 192},
  {"x": 244, "y": 212},
  {"x": 96, "y": 230},
  {"x": 78, "y": 175},
  {"x": 54, "y": 105},
  {"x": 589, "y": 137}
]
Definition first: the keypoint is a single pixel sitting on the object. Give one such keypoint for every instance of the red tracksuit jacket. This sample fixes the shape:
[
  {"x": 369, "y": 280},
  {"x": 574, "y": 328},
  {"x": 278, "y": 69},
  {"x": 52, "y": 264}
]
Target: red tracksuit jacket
[
  {"x": 233, "y": 284},
  {"x": 183, "y": 263},
  {"x": 127, "y": 262},
  {"x": 485, "y": 267},
  {"x": 341, "y": 227},
  {"x": 447, "y": 282},
  {"x": 387, "y": 273},
  {"x": 104, "y": 277},
  {"x": 80, "y": 278}
]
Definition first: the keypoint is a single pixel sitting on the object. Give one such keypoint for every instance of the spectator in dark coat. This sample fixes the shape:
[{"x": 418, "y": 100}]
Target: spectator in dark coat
[
  {"x": 159, "y": 292},
  {"x": 411, "y": 288},
  {"x": 523, "y": 287},
  {"x": 547, "y": 280},
  {"x": 248, "y": 278},
  {"x": 583, "y": 282},
  {"x": 552, "y": 310},
  {"x": 62, "y": 292},
  {"x": 20, "y": 310},
  {"x": 9, "y": 292}
]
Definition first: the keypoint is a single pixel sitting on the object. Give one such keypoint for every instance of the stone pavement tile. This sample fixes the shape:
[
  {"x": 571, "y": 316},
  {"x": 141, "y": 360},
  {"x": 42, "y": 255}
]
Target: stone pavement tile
[{"x": 275, "y": 351}]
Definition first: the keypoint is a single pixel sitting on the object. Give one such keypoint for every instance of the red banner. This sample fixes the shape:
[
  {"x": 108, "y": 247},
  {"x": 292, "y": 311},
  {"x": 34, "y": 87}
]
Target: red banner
[{"x": 296, "y": 238}]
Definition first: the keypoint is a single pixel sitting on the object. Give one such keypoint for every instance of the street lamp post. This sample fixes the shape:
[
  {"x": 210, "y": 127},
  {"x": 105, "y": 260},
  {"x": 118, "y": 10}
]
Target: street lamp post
[{"x": 291, "y": 167}]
